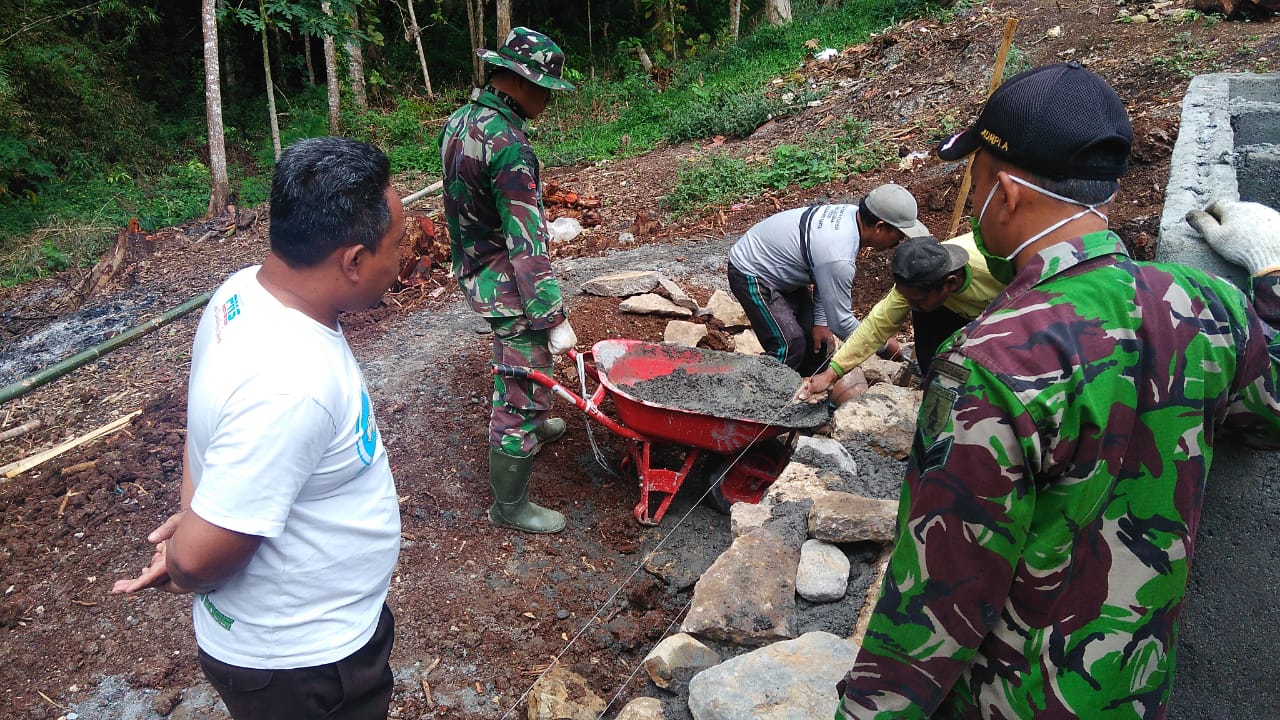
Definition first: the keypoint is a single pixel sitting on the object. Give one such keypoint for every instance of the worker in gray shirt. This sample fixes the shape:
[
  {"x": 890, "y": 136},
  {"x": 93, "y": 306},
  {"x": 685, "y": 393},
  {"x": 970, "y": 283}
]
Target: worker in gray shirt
[{"x": 775, "y": 263}]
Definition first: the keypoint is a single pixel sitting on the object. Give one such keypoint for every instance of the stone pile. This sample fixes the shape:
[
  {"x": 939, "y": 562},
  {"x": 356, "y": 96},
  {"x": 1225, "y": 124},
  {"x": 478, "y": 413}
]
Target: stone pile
[{"x": 776, "y": 619}]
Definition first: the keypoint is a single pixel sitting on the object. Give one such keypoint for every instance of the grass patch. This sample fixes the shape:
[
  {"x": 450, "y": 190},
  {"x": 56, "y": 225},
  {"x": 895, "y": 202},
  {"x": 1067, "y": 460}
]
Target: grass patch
[{"x": 822, "y": 157}]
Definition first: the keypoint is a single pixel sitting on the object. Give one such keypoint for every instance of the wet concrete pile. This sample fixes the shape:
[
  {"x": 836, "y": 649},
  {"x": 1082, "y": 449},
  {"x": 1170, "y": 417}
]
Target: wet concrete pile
[{"x": 727, "y": 385}]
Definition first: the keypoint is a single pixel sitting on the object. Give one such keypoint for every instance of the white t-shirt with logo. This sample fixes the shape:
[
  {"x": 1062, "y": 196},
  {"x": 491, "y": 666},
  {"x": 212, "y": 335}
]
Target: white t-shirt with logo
[{"x": 283, "y": 444}]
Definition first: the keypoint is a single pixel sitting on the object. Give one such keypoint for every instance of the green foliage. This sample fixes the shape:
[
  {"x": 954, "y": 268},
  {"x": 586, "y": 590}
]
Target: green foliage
[
  {"x": 102, "y": 104},
  {"x": 728, "y": 113},
  {"x": 1184, "y": 57},
  {"x": 408, "y": 133},
  {"x": 822, "y": 157},
  {"x": 1016, "y": 62}
]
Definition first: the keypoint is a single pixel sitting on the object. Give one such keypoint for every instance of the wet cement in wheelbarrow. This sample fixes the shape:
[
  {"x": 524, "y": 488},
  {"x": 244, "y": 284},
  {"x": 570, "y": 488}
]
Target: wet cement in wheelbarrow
[{"x": 753, "y": 388}]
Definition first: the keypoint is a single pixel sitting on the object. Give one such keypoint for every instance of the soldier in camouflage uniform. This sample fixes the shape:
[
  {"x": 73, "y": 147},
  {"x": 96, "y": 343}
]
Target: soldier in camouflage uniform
[
  {"x": 498, "y": 236},
  {"x": 1048, "y": 518}
]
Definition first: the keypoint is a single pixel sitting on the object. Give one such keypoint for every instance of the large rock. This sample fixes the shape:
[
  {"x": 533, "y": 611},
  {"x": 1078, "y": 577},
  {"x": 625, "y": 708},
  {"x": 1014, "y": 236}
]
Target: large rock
[
  {"x": 748, "y": 595},
  {"x": 884, "y": 418},
  {"x": 725, "y": 308},
  {"x": 563, "y": 695},
  {"x": 839, "y": 517},
  {"x": 826, "y": 454},
  {"x": 745, "y": 517},
  {"x": 643, "y": 708},
  {"x": 799, "y": 482},
  {"x": 876, "y": 370},
  {"x": 675, "y": 660},
  {"x": 653, "y": 304},
  {"x": 746, "y": 343},
  {"x": 622, "y": 284},
  {"x": 676, "y": 294},
  {"x": 823, "y": 573},
  {"x": 682, "y": 332},
  {"x": 791, "y": 680}
]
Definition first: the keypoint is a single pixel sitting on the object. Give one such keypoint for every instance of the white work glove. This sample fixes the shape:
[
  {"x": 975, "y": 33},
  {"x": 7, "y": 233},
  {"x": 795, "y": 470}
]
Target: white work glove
[
  {"x": 562, "y": 338},
  {"x": 1245, "y": 233}
]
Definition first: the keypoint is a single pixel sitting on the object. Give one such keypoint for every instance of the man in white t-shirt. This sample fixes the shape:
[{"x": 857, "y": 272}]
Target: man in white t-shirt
[
  {"x": 290, "y": 527},
  {"x": 776, "y": 262}
]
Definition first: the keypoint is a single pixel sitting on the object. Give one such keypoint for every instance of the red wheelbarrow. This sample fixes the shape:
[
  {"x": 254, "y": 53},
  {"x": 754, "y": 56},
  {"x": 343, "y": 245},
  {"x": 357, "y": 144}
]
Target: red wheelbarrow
[{"x": 751, "y": 455}]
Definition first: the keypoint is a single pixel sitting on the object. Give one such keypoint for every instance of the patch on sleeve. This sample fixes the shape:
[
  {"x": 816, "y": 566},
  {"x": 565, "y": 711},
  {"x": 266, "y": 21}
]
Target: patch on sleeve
[
  {"x": 935, "y": 411},
  {"x": 953, "y": 370}
]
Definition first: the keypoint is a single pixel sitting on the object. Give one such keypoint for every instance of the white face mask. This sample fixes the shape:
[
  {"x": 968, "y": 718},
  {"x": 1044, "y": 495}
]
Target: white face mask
[{"x": 1087, "y": 209}]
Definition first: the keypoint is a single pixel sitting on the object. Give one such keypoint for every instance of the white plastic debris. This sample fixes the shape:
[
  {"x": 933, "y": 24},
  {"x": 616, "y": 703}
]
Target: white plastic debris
[
  {"x": 911, "y": 159},
  {"x": 826, "y": 54},
  {"x": 564, "y": 229}
]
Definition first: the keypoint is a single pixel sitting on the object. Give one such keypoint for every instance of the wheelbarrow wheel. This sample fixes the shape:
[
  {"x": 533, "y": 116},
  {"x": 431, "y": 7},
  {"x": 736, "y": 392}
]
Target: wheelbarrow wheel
[{"x": 746, "y": 478}]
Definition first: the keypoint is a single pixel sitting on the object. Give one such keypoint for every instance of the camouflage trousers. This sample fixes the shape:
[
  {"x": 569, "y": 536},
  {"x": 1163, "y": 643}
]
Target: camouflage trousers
[{"x": 519, "y": 406}]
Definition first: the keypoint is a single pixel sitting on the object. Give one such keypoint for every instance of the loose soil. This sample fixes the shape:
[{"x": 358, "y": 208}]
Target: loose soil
[{"x": 481, "y": 611}]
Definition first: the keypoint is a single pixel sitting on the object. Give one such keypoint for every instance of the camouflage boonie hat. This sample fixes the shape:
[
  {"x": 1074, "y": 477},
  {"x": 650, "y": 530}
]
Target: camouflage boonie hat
[{"x": 531, "y": 55}]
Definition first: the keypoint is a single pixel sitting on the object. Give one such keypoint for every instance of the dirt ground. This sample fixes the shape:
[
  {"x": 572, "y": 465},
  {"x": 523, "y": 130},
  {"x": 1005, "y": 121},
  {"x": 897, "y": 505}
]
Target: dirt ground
[{"x": 480, "y": 611}]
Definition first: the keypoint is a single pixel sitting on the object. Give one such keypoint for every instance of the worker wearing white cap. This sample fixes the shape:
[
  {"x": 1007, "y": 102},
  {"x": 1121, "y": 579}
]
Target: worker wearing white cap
[{"x": 793, "y": 272}]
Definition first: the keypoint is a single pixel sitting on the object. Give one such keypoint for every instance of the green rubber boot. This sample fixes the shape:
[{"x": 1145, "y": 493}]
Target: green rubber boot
[
  {"x": 548, "y": 432},
  {"x": 509, "y": 478}
]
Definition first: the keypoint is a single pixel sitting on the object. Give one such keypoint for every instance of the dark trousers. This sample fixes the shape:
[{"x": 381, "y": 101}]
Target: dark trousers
[
  {"x": 931, "y": 330},
  {"x": 357, "y": 687},
  {"x": 782, "y": 321}
]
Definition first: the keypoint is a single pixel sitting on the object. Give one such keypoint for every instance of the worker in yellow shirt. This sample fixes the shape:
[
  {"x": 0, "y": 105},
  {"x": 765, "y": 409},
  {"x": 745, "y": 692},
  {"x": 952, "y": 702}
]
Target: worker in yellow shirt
[{"x": 942, "y": 285}]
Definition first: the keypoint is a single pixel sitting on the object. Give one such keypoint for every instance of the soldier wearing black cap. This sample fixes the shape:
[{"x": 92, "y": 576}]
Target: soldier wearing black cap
[{"x": 1055, "y": 482}]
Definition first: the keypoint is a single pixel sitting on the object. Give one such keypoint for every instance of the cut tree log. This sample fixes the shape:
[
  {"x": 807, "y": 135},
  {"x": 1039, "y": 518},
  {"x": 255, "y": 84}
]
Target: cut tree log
[
  {"x": 21, "y": 430},
  {"x": 14, "y": 469}
]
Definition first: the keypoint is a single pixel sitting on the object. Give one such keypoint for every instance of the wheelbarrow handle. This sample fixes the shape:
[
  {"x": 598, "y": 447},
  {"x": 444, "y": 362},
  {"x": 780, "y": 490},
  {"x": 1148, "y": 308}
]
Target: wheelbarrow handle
[
  {"x": 524, "y": 373},
  {"x": 515, "y": 371}
]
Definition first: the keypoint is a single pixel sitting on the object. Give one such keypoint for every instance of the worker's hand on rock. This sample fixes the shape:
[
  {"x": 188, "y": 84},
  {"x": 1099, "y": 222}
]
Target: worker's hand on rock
[
  {"x": 824, "y": 341},
  {"x": 815, "y": 389},
  {"x": 562, "y": 338},
  {"x": 1245, "y": 233}
]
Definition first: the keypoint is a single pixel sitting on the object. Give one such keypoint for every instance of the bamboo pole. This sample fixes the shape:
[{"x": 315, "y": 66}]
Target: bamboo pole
[
  {"x": 996, "y": 72},
  {"x": 54, "y": 372},
  {"x": 14, "y": 469},
  {"x": 434, "y": 187}
]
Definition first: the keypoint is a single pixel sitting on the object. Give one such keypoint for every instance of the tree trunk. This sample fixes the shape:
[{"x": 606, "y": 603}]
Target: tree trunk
[
  {"x": 417, "y": 41},
  {"x": 331, "y": 79},
  {"x": 475, "y": 23},
  {"x": 355, "y": 67},
  {"x": 735, "y": 18},
  {"x": 503, "y": 18},
  {"x": 271, "y": 90},
  {"x": 219, "y": 185},
  {"x": 778, "y": 12},
  {"x": 306, "y": 50}
]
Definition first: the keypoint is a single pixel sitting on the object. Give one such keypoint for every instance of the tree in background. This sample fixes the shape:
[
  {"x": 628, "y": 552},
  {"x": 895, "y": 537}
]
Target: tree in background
[
  {"x": 502, "y": 17},
  {"x": 331, "y": 77},
  {"x": 777, "y": 12},
  {"x": 412, "y": 30},
  {"x": 355, "y": 65},
  {"x": 475, "y": 24},
  {"x": 219, "y": 184}
]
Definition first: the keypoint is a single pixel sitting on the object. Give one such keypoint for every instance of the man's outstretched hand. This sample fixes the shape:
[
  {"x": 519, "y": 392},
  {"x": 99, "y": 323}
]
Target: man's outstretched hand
[
  {"x": 156, "y": 573},
  {"x": 1245, "y": 233}
]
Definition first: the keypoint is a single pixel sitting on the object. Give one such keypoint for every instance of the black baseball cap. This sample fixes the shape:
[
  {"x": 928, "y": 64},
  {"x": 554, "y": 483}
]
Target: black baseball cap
[
  {"x": 1058, "y": 121},
  {"x": 923, "y": 261}
]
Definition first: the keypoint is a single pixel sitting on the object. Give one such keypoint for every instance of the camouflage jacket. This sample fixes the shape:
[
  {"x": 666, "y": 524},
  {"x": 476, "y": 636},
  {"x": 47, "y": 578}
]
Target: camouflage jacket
[
  {"x": 493, "y": 204},
  {"x": 1053, "y": 492}
]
